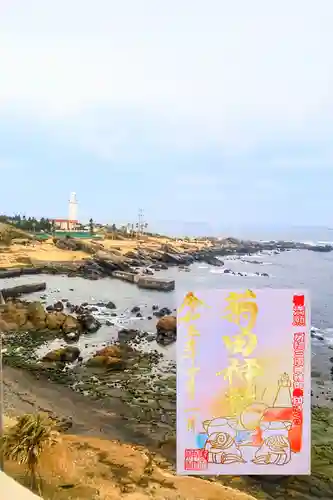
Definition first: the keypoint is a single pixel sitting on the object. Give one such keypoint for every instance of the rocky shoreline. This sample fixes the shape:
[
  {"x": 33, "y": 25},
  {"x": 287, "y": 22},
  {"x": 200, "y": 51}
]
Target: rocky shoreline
[
  {"x": 147, "y": 261},
  {"x": 117, "y": 369}
]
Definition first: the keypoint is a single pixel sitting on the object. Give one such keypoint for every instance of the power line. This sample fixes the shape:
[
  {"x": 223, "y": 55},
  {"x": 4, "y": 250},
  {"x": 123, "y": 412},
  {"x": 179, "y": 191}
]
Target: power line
[{"x": 141, "y": 224}]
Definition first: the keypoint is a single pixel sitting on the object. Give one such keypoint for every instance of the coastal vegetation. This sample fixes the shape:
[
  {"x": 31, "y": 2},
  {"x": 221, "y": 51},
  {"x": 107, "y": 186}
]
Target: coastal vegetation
[
  {"x": 24, "y": 443},
  {"x": 28, "y": 223}
]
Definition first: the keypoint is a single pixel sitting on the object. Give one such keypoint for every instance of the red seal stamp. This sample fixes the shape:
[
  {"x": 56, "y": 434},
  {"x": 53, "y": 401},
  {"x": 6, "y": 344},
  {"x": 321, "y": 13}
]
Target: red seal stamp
[{"x": 195, "y": 460}]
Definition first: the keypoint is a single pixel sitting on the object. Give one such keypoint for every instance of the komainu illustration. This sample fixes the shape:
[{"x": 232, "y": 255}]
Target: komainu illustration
[
  {"x": 274, "y": 450},
  {"x": 222, "y": 449}
]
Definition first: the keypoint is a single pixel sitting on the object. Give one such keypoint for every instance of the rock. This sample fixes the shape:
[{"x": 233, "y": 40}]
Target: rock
[
  {"x": 53, "y": 355},
  {"x": 19, "y": 317},
  {"x": 107, "y": 362},
  {"x": 55, "y": 320},
  {"x": 112, "y": 351},
  {"x": 70, "y": 324},
  {"x": 155, "y": 307},
  {"x": 71, "y": 336},
  {"x": 10, "y": 307},
  {"x": 11, "y": 327},
  {"x": 167, "y": 323},
  {"x": 58, "y": 306},
  {"x": 28, "y": 326},
  {"x": 127, "y": 334},
  {"x": 135, "y": 309},
  {"x": 89, "y": 324},
  {"x": 3, "y": 326},
  {"x": 36, "y": 312},
  {"x": 39, "y": 325},
  {"x": 165, "y": 311},
  {"x": 115, "y": 364},
  {"x": 98, "y": 361},
  {"x": 166, "y": 330},
  {"x": 138, "y": 315},
  {"x": 49, "y": 308},
  {"x": 110, "y": 305},
  {"x": 70, "y": 354},
  {"x": 66, "y": 355},
  {"x": 64, "y": 424},
  {"x": 166, "y": 338}
]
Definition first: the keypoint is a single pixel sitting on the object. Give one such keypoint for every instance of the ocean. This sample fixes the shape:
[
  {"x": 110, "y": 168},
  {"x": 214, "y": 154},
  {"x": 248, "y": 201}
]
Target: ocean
[{"x": 292, "y": 269}]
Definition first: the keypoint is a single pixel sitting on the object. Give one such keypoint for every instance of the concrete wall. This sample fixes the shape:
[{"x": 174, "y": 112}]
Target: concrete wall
[
  {"x": 124, "y": 276},
  {"x": 9, "y": 488},
  {"x": 155, "y": 283}
]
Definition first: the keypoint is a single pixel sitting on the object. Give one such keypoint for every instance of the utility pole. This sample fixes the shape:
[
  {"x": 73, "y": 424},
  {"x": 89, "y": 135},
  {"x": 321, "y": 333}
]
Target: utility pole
[{"x": 139, "y": 223}]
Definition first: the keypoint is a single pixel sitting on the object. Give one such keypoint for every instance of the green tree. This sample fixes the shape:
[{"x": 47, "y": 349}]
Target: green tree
[
  {"x": 91, "y": 227},
  {"x": 25, "y": 442},
  {"x": 48, "y": 225}
]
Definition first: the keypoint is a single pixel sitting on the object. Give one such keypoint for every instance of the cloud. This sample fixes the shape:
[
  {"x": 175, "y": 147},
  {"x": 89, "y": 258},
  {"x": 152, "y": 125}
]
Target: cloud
[
  {"x": 225, "y": 65},
  {"x": 192, "y": 107}
]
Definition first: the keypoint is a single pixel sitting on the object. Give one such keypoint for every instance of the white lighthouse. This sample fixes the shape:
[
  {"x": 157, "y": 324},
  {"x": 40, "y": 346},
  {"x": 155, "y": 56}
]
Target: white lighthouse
[{"x": 72, "y": 211}]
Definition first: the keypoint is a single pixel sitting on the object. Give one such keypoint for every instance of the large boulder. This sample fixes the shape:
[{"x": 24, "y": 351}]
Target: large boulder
[
  {"x": 55, "y": 320},
  {"x": 14, "y": 313},
  {"x": 70, "y": 324},
  {"x": 7, "y": 326},
  {"x": 166, "y": 330},
  {"x": 111, "y": 357},
  {"x": 166, "y": 324},
  {"x": 17, "y": 316},
  {"x": 32, "y": 316},
  {"x": 36, "y": 312},
  {"x": 20, "y": 317}
]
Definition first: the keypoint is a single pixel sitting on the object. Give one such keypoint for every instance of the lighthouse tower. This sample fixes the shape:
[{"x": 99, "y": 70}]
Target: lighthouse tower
[
  {"x": 72, "y": 211},
  {"x": 283, "y": 395}
]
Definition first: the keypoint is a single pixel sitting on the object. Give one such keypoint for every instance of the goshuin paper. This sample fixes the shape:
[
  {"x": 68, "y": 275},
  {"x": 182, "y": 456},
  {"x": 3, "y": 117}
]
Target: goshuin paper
[{"x": 243, "y": 382}]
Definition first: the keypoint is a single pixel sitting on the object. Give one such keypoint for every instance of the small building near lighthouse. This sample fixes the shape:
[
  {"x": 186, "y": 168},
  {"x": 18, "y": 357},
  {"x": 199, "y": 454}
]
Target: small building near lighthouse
[
  {"x": 65, "y": 224},
  {"x": 72, "y": 223}
]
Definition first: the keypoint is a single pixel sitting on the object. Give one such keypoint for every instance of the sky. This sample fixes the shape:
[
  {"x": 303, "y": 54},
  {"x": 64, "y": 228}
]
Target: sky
[{"x": 209, "y": 115}]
